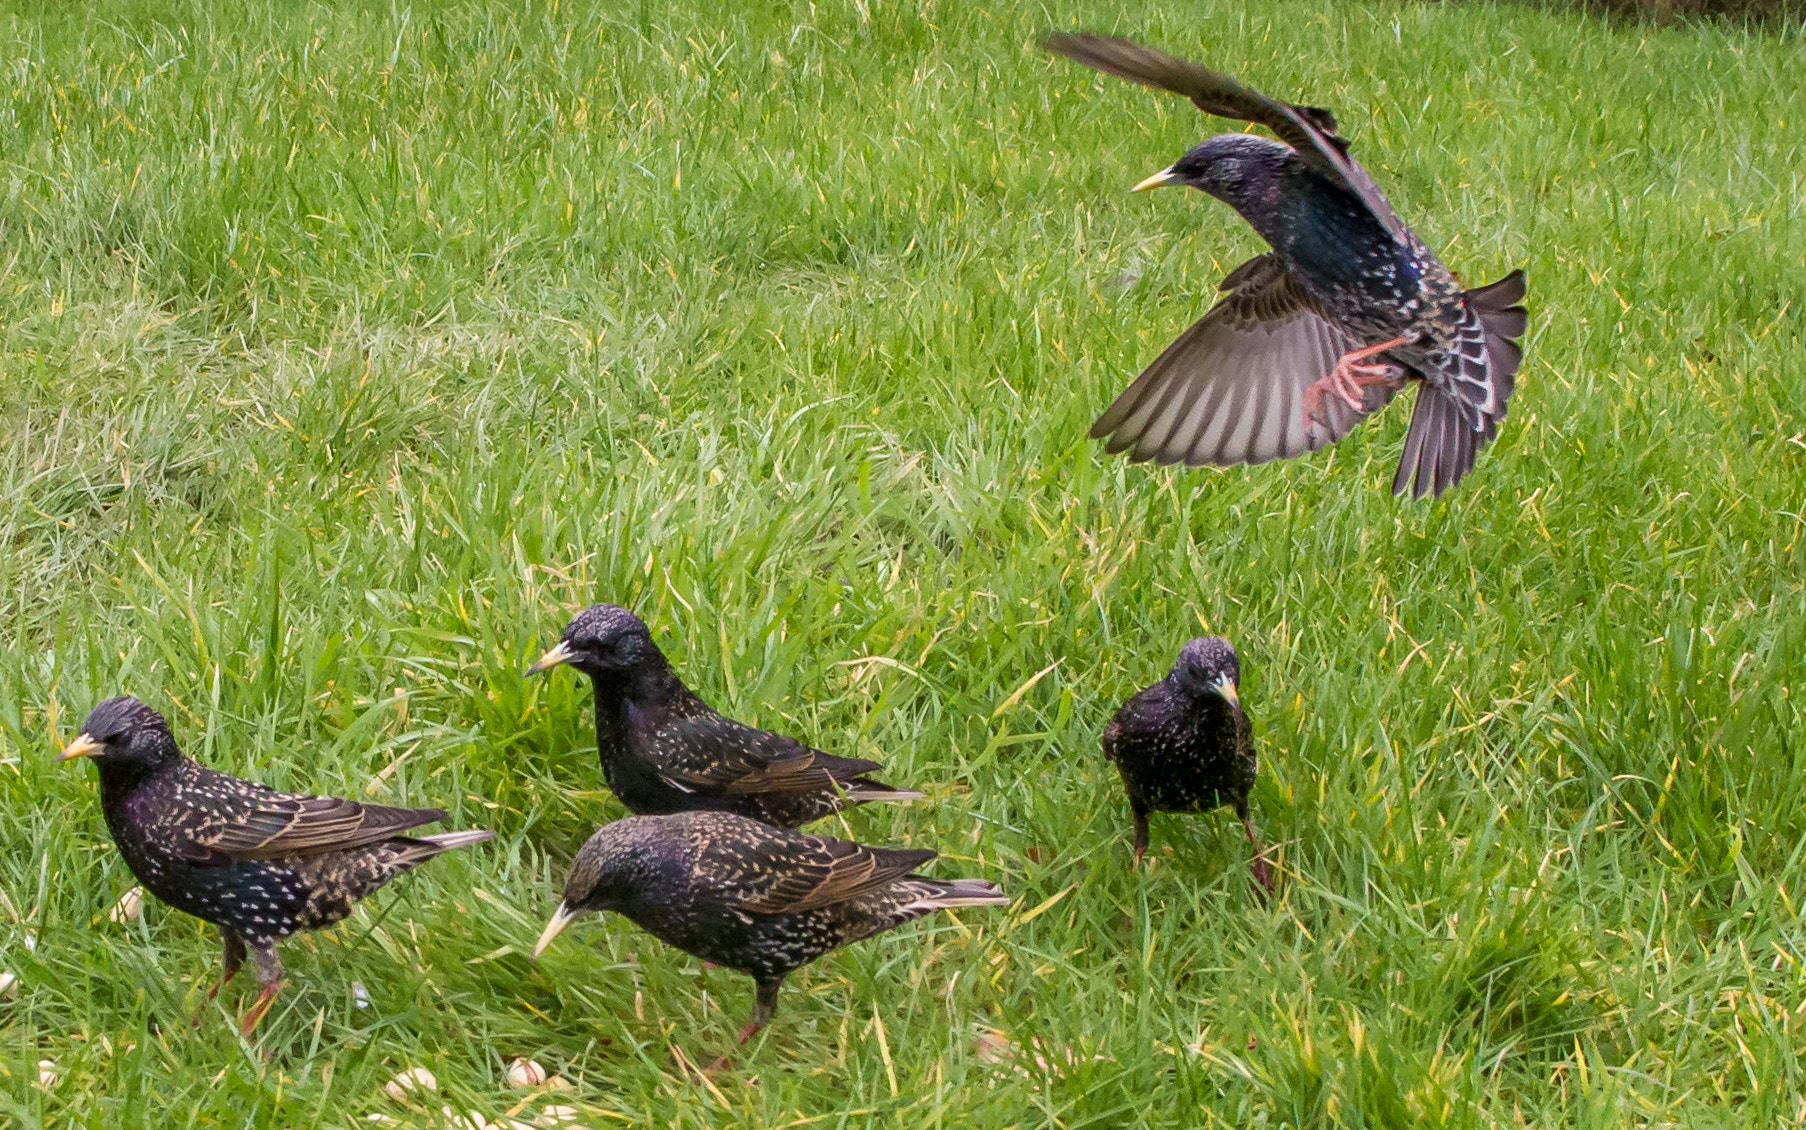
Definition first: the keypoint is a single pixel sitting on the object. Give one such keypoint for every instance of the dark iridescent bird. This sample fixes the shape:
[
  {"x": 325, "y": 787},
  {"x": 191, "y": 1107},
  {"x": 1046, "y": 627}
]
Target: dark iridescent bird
[
  {"x": 259, "y": 864},
  {"x": 754, "y": 898},
  {"x": 664, "y": 750},
  {"x": 1322, "y": 330},
  {"x": 1185, "y": 744}
]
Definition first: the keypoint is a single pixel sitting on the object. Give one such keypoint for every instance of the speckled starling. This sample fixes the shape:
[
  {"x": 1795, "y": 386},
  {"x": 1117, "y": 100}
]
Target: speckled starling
[
  {"x": 1322, "y": 330},
  {"x": 259, "y": 864},
  {"x": 1185, "y": 744},
  {"x": 664, "y": 750},
  {"x": 754, "y": 898}
]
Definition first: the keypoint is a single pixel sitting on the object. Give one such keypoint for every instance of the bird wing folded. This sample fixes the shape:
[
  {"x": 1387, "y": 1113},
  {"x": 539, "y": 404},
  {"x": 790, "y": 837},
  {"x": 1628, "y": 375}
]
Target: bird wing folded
[
  {"x": 788, "y": 872},
  {"x": 225, "y": 818},
  {"x": 715, "y": 754},
  {"x": 1309, "y": 130},
  {"x": 1231, "y": 388}
]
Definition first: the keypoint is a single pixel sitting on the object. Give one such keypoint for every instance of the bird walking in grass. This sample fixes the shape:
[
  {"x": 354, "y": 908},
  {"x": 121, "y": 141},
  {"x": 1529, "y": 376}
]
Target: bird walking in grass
[
  {"x": 259, "y": 864},
  {"x": 1185, "y": 744},
  {"x": 664, "y": 750},
  {"x": 1321, "y": 331},
  {"x": 754, "y": 898}
]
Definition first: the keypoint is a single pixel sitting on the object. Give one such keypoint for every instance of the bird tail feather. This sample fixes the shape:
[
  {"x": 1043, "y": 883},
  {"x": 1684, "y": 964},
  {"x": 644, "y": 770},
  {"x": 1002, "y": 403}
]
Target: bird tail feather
[
  {"x": 861, "y": 792},
  {"x": 945, "y": 894},
  {"x": 446, "y": 841},
  {"x": 1442, "y": 442}
]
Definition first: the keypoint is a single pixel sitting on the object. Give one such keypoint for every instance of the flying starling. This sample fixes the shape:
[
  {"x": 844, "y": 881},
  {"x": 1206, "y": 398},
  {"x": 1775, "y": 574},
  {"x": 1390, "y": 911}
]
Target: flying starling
[
  {"x": 755, "y": 898},
  {"x": 1322, "y": 330},
  {"x": 664, "y": 750},
  {"x": 1185, "y": 744},
  {"x": 259, "y": 864}
]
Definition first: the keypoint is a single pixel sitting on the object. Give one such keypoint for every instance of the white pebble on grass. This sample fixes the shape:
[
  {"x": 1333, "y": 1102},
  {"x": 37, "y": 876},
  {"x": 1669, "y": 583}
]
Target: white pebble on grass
[
  {"x": 413, "y": 1079},
  {"x": 129, "y": 908},
  {"x": 524, "y": 1072}
]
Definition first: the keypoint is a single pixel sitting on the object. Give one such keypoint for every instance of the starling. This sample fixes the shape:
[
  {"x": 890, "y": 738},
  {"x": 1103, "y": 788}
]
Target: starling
[
  {"x": 742, "y": 894},
  {"x": 664, "y": 750},
  {"x": 1185, "y": 744},
  {"x": 1322, "y": 330},
  {"x": 259, "y": 864}
]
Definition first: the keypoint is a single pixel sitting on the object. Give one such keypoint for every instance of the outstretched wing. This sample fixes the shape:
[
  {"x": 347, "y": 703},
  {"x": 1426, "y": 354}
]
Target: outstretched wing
[
  {"x": 1231, "y": 388},
  {"x": 1307, "y": 129},
  {"x": 714, "y": 754},
  {"x": 780, "y": 872},
  {"x": 225, "y": 818}
]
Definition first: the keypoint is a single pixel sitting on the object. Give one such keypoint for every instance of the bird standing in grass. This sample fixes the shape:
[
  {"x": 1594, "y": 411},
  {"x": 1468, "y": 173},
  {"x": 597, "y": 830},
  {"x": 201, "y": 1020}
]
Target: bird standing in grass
[
  {"x": 754, "y": 898},
  {"x": 259, "y": 864},
  {"x": 1322, "y": 330},
  {"x": 664, "y": 750},
  {"x": 1185, "y": 744}
]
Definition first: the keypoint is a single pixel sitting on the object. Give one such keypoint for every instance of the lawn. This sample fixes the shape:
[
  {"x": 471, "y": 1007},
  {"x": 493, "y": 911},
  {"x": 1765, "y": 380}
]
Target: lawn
[{"x": 345, "y": 350}]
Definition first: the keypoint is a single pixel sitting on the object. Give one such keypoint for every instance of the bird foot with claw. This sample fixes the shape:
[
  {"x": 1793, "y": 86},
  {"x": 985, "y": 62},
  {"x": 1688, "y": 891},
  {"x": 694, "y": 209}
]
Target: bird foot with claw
[
  {"x": 258, "y": 1009},
  {"x": 1263, "y": 875},
  {"x": 1348, "y": 380},
  {"x": 1351, "y": 376}
]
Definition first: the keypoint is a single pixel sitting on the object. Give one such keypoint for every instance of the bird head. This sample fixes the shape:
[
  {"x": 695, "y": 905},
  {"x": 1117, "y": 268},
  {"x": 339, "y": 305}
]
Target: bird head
[
  {"x": 600, "y": 639},
  {"x": 1227, "y": 166},
  {"x": 1208, "y": 665},
  {"x": 613, "y": 871},
  {"x": 123, "y": 732}
]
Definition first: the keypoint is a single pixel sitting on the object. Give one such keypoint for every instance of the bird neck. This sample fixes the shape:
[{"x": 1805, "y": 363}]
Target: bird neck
[
  {"x": 118, "y": 781},
  {"x": 650, "y": 686}
]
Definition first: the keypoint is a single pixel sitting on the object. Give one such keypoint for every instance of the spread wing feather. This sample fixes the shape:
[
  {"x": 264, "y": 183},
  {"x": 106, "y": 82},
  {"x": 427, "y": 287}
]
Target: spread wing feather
[
  {"x": 1308, "y": 129},
  {"x": 1231, "y": 388}
]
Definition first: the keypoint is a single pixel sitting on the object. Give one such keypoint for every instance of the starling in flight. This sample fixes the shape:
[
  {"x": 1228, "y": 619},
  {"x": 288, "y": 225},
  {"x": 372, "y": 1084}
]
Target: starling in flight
[
  {"x": 754, "y": 898},
  {"x": 664, "y": 750},
  {"x": 259, "y": 864},
  {"x": 1185, "y": 745},
  {"x": 1322, "y": 330}
]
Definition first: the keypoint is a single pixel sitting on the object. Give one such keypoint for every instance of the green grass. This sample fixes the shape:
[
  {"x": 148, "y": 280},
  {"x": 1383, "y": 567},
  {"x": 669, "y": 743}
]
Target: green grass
[{"x": 344, "y": 350}]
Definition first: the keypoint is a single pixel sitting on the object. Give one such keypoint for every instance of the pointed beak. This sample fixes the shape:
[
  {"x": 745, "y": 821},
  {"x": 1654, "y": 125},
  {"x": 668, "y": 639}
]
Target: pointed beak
[
  {"x": 560, "y": 654},
  {"x": 82, "y": 746},
  {"x": 560, "y": 920},
  {"x": 1226, "y": 688},
  {"x": 1159, "y": 180}
]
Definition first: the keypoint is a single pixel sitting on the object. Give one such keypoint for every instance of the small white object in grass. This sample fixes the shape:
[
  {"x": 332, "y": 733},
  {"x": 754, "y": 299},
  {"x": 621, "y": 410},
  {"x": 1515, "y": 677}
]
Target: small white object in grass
[
  {"x": 46, "y": 1072},
  {"x": 413, "y": 1079},
  {"x": 524, "y": 1072},
  {"x": 9, "y": 984},
  {"x": 31, "y": 942},
  {"x": 456, "y": 1121},
  {"x": 129, "y": 908},
  {"x": 359, "y": 995},
  {"x": 557, "y": 1116}
]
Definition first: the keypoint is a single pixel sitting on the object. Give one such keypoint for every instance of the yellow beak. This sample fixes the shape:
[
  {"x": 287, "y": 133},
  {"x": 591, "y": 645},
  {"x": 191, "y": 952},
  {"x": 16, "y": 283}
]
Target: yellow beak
[
  {"x": 82, "y": 746},
  {"x": 1226, "y": 688},
  {"x": 1159, "y": 180},
  {"x": 560, "y": 920},
  {"x": 551, "y": 659}
]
